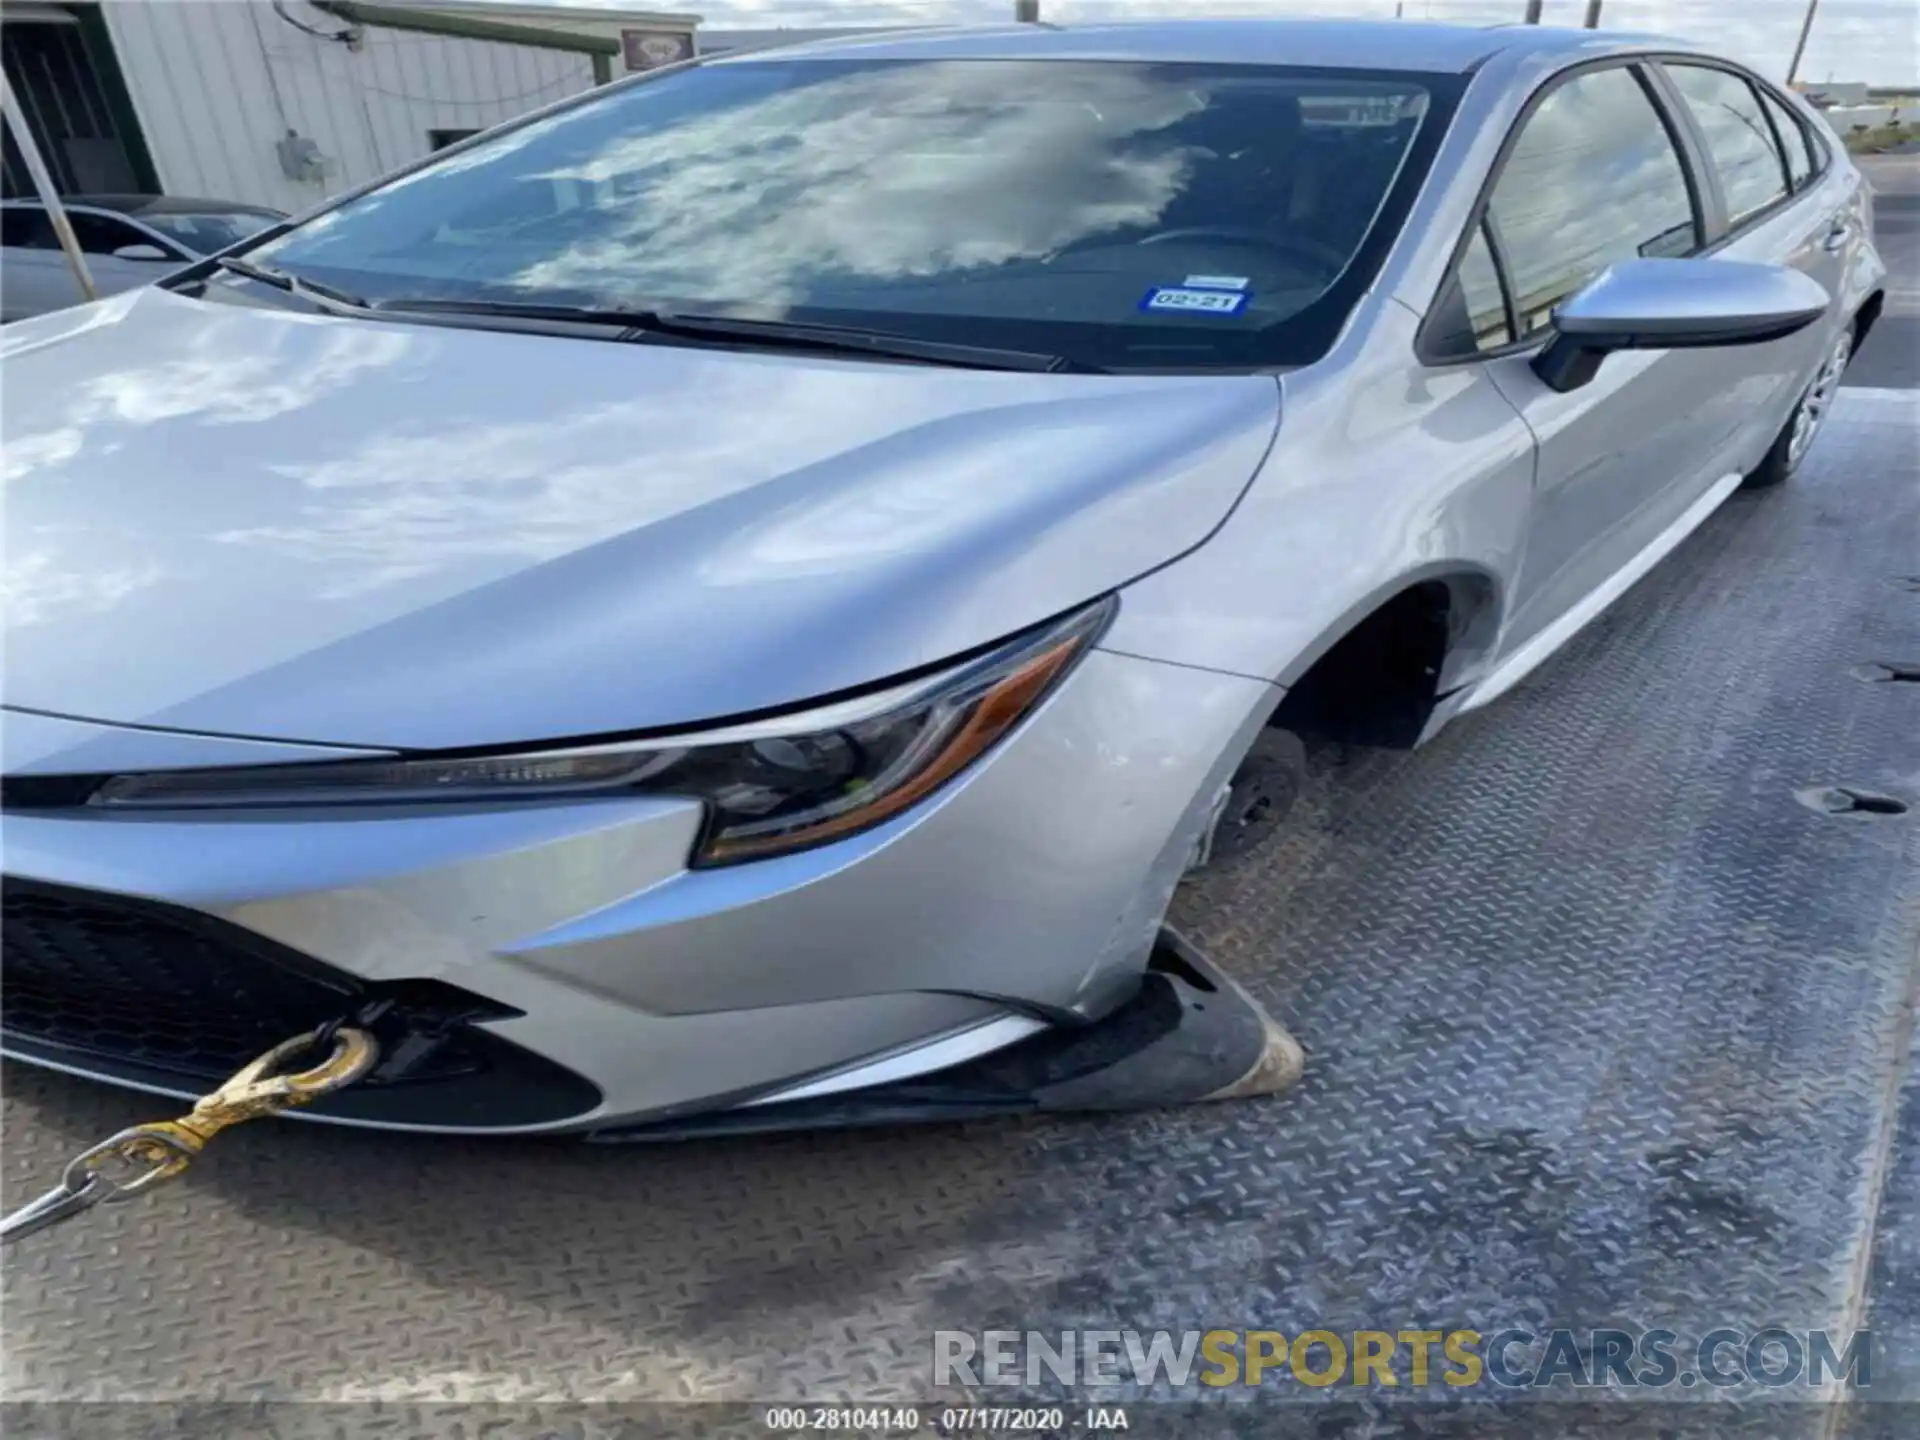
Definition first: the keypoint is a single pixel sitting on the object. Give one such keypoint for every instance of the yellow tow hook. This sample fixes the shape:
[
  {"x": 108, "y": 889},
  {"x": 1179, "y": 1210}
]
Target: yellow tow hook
[{"x": 137, "y": 1159}]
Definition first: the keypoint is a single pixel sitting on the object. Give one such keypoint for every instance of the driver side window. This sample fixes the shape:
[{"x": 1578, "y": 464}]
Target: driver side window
[{"x": 1592, "y": 178}]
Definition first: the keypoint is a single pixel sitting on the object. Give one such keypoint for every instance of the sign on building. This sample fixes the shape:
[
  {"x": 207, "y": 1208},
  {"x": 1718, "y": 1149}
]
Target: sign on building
[{"x": 650, "y": 49}]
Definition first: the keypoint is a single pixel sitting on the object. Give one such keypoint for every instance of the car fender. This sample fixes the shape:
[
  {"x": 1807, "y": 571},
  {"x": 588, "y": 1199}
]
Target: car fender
[{"x": 1386, "y": 472}]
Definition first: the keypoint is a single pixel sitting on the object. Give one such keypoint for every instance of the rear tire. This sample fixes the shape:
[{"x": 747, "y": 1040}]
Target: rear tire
[{"x": 1797, "y": 436}]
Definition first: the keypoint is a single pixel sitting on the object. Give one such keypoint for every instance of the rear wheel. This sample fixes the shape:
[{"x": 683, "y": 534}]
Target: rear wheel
[{"x": 1791, "y": 447}]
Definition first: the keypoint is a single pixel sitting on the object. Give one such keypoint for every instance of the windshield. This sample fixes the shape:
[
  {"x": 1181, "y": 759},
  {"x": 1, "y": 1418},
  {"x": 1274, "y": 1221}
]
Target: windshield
[
  {"x": 204, "y": 232},
  {"x": 1120, "y": 214}
]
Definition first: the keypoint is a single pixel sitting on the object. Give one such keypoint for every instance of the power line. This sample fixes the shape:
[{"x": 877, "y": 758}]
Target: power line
[
  {"x": 343, "y": 37},
  {"x": 350, "y": 77},
  {"x": 492, "y": 100}
]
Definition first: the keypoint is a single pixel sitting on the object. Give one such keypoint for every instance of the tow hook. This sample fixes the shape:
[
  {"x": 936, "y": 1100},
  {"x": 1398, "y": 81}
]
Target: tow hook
[{"x": 135, "y": 1160}]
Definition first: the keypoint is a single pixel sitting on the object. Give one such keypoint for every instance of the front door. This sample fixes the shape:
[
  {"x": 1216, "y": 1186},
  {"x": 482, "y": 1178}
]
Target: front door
[
  {"x": 1595, "y": 176},
  {"x": 36, "y": 278},
  {"x": 34, "y": 274}
]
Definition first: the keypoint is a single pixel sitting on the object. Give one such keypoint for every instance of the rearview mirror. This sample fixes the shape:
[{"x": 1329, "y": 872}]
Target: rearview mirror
[
  {"x": 139, "y": 252},
  {"x": 1675, "y": 305}
]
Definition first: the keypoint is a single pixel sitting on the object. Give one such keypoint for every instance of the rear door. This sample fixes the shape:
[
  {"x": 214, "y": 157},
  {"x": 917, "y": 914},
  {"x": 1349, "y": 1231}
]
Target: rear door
[{"x": 1781, "y": 205}]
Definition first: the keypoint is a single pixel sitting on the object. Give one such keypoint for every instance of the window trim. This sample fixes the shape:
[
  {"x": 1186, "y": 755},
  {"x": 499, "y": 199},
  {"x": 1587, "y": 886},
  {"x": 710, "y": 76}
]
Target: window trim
[
  {"x": 1819, "y": 154},
  {"x": 173, "y": 249},
  {"x": 152, "y": 237},
  {"x": 1818, "y": 150},
  {"x": 1773, "y": 112},
  {"x": 1489, "y": 235},
  {"x": 1332, "y": 311},
  {"x": 1679, "y": 135},
  {"x": 1731, "y": 230},
  {"x": 1497, "y": 252},
  {"x": 108, "y": 217}
]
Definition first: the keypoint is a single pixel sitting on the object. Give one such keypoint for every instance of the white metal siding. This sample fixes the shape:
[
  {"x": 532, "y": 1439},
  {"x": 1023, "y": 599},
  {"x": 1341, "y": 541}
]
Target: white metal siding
[{"x": 217, "y": 83}]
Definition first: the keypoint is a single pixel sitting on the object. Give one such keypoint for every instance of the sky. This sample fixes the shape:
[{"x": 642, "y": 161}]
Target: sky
[{"x": 1873, "y": 40}]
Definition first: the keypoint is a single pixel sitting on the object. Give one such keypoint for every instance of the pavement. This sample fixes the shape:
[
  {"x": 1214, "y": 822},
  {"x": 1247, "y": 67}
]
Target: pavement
[
  {"x": 1660, "y": 1075},
  {"x": 1606, "y": 1027},
  {"x": 1891, "y": 356}
]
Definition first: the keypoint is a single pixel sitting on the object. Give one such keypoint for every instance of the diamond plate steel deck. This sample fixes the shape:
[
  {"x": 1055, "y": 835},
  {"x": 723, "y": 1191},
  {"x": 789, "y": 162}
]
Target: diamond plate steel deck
[{"x": 1604, "y": 1028}]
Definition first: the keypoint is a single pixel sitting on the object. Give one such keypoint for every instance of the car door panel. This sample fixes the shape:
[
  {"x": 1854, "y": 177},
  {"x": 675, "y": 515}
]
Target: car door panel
[
  {"x": 102, "y": 235},
  {"x": 33, "y": 282},
  {"x": 36, "y": 277},
  {"x": 1619, "y": 458},
  {"x": 1778, "y": 214},
  {"x": 112, "y": 275},
  {"x": 1595, "y": 175},
  {"x": 1777, "y": 374}
]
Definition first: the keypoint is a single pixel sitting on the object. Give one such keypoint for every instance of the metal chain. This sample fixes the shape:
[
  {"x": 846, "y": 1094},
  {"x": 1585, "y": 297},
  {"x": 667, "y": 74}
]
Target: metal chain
[{"x": 137, "y": 1159}]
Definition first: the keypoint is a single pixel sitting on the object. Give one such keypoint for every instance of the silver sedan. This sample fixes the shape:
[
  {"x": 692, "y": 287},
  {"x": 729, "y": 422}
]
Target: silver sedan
[{"x": 760, "y": 581}]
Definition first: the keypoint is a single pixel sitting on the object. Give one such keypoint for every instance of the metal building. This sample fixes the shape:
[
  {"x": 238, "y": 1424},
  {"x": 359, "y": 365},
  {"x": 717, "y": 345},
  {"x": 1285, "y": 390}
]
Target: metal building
[
  {"x": 740, "y": 41},
  {"x": 285, "y": 102}
]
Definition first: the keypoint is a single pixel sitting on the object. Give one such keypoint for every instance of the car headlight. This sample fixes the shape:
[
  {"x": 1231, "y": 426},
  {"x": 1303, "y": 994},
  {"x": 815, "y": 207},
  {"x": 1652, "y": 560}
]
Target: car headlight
[{"x": 769, "y": 786}]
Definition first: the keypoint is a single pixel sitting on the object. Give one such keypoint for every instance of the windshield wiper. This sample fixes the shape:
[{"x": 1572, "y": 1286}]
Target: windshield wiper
[
  {"x": 835, "y": 339},
  {"x": 324, "y": 296}
]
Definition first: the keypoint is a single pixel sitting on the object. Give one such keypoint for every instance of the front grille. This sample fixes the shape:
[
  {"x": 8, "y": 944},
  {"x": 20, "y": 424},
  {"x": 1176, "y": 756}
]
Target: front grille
[
  {"x": 160, "y": 995},
  {"x": 107, "y": 977}
]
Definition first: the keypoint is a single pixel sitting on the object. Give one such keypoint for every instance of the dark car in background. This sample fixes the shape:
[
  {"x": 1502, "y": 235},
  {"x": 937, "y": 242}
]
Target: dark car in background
[{"x": 129, "y": 240}]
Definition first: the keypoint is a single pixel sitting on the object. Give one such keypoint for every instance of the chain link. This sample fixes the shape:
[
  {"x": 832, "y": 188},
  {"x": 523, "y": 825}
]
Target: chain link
[{"x": 139, "y": 1158}]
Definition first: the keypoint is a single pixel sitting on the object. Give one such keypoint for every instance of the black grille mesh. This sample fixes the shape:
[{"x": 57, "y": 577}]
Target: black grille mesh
[
  {"x": 116, "y": 978},
  {"x": 157, "y": 995}
]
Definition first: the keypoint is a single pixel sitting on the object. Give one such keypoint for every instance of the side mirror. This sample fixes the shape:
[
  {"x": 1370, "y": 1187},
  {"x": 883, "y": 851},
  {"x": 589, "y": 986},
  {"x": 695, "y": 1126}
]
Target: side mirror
[
  {"x": 1676, "y": 305},
  {"x": 140, "y": 252}
]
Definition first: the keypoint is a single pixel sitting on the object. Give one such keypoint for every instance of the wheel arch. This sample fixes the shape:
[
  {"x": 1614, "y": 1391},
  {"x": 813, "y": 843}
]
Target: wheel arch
[
  {"x": 1376, "y": 674},
  {"x": 1868, "y": 315}
]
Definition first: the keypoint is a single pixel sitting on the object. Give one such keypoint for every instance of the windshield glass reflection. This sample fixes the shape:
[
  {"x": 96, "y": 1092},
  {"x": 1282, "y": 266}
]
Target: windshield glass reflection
[{"x": 1136, "y": 211}]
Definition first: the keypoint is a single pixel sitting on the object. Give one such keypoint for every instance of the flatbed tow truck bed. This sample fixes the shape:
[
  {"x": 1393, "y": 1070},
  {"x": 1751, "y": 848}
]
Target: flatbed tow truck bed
[{"x": 1608, "y": 1019}]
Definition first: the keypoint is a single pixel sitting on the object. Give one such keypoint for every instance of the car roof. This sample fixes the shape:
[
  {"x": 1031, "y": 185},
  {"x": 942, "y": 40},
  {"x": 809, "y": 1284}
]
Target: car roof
[
  {"x": 1331, "y": 44},
  {"x": 155, "y": 204}
]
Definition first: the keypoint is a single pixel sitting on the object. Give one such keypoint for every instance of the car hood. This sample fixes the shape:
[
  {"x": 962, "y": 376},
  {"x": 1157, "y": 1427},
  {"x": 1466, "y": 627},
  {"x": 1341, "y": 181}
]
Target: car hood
[{"x": 245, "y": 521}]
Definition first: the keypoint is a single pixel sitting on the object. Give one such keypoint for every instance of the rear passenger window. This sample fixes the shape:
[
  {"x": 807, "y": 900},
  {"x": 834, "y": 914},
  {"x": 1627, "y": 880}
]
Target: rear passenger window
[
  {"x": 1592, "y": 179},
  {"x": 1794, "y": 139},
  {"x": 1752, "y": 170}
]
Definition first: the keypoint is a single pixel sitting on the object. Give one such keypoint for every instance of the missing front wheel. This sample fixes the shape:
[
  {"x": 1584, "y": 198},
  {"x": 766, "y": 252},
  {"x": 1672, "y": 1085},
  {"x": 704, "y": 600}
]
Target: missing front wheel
[{"x": 1257, "y": 801}]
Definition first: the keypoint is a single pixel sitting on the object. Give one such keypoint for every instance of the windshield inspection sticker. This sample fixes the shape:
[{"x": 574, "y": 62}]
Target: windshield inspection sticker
[
  {"x": 1195, "y": 301},
  {"x": 1216, "y": 282}
]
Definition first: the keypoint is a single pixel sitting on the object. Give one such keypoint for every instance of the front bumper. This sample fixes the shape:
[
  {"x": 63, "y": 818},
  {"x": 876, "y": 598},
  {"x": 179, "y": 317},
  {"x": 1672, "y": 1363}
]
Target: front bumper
[{"x": 1029, "y": 890}]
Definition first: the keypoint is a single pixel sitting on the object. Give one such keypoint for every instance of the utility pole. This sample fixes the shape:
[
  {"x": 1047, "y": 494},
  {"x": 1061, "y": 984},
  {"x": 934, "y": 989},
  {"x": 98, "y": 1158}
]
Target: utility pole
[
  {"x": 1799, "y": 50},
  {"x": 1593, "y": 14},
  {"x": 1533, "y": 11},
  {"x": 43, "y": 185}
]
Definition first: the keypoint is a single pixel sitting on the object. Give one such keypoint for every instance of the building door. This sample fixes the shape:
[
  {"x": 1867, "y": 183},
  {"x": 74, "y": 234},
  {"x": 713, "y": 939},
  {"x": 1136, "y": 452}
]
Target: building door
[{"x": 63, "y": 75}]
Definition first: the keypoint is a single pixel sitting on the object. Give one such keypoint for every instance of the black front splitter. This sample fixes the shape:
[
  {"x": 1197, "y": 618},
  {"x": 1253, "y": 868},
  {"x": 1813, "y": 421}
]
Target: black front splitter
[{"x": 1189, "y": 1033}]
